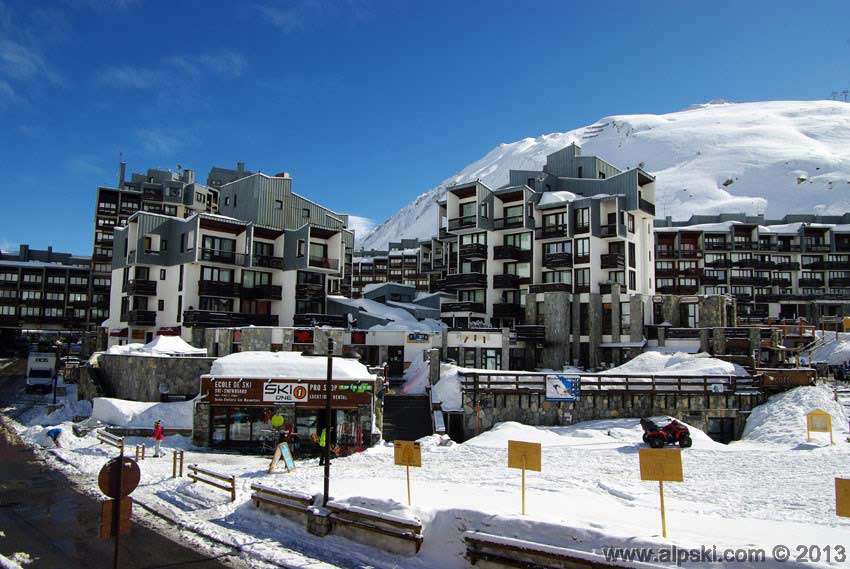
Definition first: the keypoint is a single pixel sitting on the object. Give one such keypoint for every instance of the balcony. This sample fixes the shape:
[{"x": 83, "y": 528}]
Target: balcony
[
  {"x": 268, "y": 262},
  {"x": 842, "y": 246},
  {"x": 665, "y": 251},
  {"x": 840, "y": 282},
  {"x": 749, "y": 281},
  {"x": 580, "y": 288},
  {"x": 309, "y": 291},
  {"x": 837, "y": 265},
  {"x": 787, "y": 247},
  {"x": 508, "y": 310},
  {"x": 438, "y": 265},
  {"x": 444, "y": 233},
  {"x": 744, "y": 246},
  {"x": 788, "y": 266},
  {"x": 690, "y": 253},
  {"x": 691, "y": 272},
  {"x": 265, "y": 292},
  {"x": 713, "y": 280},
  {"x": 719, "y": 264},
  {"x": 466, "y": 222},
  {"x": 139, "y": 317},
  {"x": 530, "y": 333},
  {"x": 466, "y": 280},
  {"x": 609, "y": 230},
  {"x": 782, "y": 283},
  {"x": 209, "y": 318},
  {"x": 581, "y": 229},
  {"x": 218, "y": 288},
  {"x": 557, "y": 260},
  {"x": 613, "y": 261},
  {"x": 477, "y": 307},
  {"x": 223, "y": 257},
  {"x": 139, "y": 287},
  {"x": 677, "y": 289},
  {"x": 511, "y": 253},
  {"x": 810, "y": 283},
  {"x": 755, "y": 264},
  {"x": 259, "y": 319},
  {"x": 767, "y": 246},
  {"x": 550, "y": 231},
  {"x": 767, "y": 297},
  {"x": 819, "y": 265},
  {"x": 9, "y": 320},
  {"x": 104, "y": 257},
  {"x": 550, "y": 287},
  {"x": 662, "y": 273},
  {"x": 510, "y": 222},
  {"x": 818, "y": 247},
  {"x": 319, "y": 262},
  {"x": 647, "y": 207},
  {"x": 317, "y": 319},
  {"x": 506, "y": 281},
  {"x": 717, "y": 246},
  {"x": 473, "y": 251}
]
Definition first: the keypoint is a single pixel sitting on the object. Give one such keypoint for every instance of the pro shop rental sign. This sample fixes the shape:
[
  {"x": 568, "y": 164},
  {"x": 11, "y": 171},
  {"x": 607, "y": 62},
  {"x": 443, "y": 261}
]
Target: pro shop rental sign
[{"x": 271, "y": 392}]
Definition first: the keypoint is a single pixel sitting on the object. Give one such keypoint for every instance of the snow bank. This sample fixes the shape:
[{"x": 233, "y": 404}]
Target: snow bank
[
  {"x": 288, "y": 365},
  {"x": 448, "y": 391},
  {"x": 137, "y": 414},
  {"x": 834, "y": 351},
  {"x": 782, "y": 420},
  {"x": 679, "y": 363},
  {"x": 416, "y": 377},
  {"x": 501, "y": 433},
  {"x": 159, "y": 346},
  {"x": 70, "y": 408}
]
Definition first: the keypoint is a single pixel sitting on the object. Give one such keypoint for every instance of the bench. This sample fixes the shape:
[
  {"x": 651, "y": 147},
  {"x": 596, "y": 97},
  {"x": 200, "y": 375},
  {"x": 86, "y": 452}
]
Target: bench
[
  {"x": 290, "y": 504},
  {"x": 384, "y": 531},
  {"x": 214, "y": 479},
  {"x": 110, "y": 439}
]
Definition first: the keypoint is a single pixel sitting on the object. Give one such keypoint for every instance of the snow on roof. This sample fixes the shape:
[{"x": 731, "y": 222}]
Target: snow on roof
[
  {"x": 39, "y": 265},
  {"x": 376, "y": 308},
  {"x": 288, "y": 365},
  {"x": 425, "y": 325},
  {"x": 558, "y": 197},
  {"x": 680, "y": 364},
  {"x": 723, "y": 226},
  {"x": 172, "y": 345}
]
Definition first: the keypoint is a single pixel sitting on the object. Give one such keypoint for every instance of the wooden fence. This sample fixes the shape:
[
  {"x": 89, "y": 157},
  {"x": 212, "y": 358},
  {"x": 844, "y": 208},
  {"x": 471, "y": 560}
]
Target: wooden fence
[
  {"x": 110, "y": 439},
  {"x": 214, "y": 479}
]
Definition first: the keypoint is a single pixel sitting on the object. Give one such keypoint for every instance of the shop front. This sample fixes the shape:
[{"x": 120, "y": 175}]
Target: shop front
[{"x": 237, "y": 413}]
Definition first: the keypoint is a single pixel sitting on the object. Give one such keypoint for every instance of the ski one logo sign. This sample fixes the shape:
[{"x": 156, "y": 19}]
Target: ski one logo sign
[{"x": 284, "y": 392}]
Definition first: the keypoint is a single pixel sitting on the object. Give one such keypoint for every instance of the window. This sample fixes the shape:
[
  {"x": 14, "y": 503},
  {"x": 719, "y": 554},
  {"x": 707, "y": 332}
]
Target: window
[
  {"x": 625, "y": 316},
  {"x": 278, "y": 204},
  {"x": 467, "y": 209},
  {"x": 217, "y": 274},
  {"x": 234, "y": 199},
  {"x": 300, "y": 248},
  {"x": 565, "y": 277},
  {"x": 160, "y": 305},
  {"x": 470, "y": 238},
  {"x": 582, "y": 218},
  {"x": 582, "y": 247},
  {"x": 557, "y": 247},
  {"x": 582, "y": 277},
  {"x": 305, "y": 213},
  {"x": 519, "y": 240},
  {"x": 179, "y": 308},
  {"x": 162, "y": 274},
  {"x": 252, "y": 279},
  {"x": 263, "y": 249},
  {"x": 215, "y": 304},
  {"x": 632, "y": 280},
  {"x": 180, "y": 279},
  {"x": 631, "y": 220},
  {"x": 227, "y": 200},
  {"x": 632, "y": 256}
]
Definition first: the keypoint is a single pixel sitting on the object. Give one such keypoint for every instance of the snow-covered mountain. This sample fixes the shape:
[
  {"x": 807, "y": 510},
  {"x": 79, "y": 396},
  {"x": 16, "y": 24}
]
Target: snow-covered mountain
[{"x": 774, "y": 157}]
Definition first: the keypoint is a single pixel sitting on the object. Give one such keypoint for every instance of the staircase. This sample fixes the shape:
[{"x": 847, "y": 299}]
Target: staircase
[{"x": 407, "y": 417}]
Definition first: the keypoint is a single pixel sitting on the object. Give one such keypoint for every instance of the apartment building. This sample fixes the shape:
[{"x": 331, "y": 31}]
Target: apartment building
[
  {"x": 269, "y": 258},
  {"x": 784, "y": 269},
  {"x": 163, "y": 192},
  {"x": 562, "y": 256},
  {"x": 44, "y": 290},
  {"x": 405, "y": 262}
]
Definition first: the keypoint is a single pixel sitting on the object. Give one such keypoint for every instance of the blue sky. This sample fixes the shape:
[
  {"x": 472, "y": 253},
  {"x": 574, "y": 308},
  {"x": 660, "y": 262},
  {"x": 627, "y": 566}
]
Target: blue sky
[{"x": 366, "y": 104}]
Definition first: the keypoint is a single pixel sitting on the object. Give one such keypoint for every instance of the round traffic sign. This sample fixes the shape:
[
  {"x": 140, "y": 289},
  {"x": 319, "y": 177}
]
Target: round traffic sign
[
  {"x": 277, "y": 421},
  {"x": 129, "y": 473}
]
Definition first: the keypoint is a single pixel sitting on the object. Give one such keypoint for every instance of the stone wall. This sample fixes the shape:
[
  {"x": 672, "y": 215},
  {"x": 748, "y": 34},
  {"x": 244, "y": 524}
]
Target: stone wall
[
  {"x": 138, "y": 377},
  {"x": 533, "y": 409}
]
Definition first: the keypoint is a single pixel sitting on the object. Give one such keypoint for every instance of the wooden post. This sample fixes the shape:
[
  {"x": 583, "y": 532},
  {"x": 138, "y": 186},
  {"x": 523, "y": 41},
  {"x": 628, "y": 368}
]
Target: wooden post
[
  {"x": 523, "y": 485},
  {"x": 663, "y": 516},
  {"x": 233, "y": 488},
  {"x": 408, "y": 484}
]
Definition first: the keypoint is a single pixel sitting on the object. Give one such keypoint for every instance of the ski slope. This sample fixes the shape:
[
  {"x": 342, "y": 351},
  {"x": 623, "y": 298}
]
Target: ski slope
[{"x": 773, "y": 157}]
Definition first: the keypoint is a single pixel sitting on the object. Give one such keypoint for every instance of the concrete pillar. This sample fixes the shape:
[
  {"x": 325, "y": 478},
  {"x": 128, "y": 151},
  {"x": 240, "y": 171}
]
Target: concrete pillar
[
  {"x": 704, "y": 344},
  {"x": 531, "y": 309},
  {"x": 636, "y": 305},
  {"x": 712, "y": 311},
  {"x": 479, "y": 360},
  {"x": 719, "y": 341},
  {"x": 556, "y": 351},
  {"x": 383, "y": 355},
  {"x": 595, "y": 315},
  {"x": 201, "y": 424},
  {"x": 506, "y": 348},
  {"x": 670, "y": 309},
  {"x": 615, "y": 312},
  {"x": 576, "y": 328},
  {"x": 755, "y": 340},
  {"x": 662, "y": 335},
  {"x": 433, "y": 366}
]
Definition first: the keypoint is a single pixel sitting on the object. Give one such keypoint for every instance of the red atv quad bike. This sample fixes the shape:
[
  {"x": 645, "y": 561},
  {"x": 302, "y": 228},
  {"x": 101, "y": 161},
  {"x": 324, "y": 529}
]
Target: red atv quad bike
[{"x": 672, "y": 433}]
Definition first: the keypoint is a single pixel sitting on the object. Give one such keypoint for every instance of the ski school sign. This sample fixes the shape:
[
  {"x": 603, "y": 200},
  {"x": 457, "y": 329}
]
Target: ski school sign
[{"x": 272, "y": 392}]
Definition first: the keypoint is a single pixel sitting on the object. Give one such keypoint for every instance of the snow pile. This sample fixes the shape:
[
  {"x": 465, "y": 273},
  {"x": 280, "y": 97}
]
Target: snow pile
[
  {"x": 288, "y": 365},
  {"x": 770, "y": 157},
  {"x": 416, "y": 377},
  {"x": 448, "y": 391},
  {"x": 159, "y": 346},
  {"x": 782, "y": 420},
  {"x": 70, "y": 407},
  {"x": 137, "y": 414},
  {"x": 6, "y": 563},
  {"x": 679, "y": 363},
  {"x": 834, "y": 351},
  {"x": 501, "y": 433},
  {"x": 124, "y": 350}
]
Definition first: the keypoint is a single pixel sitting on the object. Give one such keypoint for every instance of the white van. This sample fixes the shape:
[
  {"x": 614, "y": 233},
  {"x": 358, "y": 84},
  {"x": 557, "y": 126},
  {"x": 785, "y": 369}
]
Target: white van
[{"x": 41, "y": 369}]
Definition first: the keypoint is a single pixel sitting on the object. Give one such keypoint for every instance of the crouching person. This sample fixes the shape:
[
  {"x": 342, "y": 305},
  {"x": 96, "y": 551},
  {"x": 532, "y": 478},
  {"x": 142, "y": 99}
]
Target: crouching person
[{"x": 54, "y": 434}]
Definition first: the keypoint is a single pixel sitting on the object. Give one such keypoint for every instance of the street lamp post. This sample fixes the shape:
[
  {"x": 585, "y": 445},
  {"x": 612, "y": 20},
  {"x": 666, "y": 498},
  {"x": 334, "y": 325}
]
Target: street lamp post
[{"x": 327, "y": 449}]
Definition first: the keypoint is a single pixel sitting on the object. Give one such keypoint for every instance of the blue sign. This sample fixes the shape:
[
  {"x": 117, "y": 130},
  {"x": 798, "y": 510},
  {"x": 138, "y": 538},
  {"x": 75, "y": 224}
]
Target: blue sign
[{"x": 563, "y": 388}]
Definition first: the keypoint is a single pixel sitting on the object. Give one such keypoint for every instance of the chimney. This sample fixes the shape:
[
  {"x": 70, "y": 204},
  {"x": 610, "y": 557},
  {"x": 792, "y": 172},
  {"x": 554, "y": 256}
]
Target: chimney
[
  {"x": 122, "y": 170},
  {"x": 49, "y": 253},
  {"x": 240, "y": 167},
  {"x": 189, "y": 176},
  {"x": 24, "y": 252}
]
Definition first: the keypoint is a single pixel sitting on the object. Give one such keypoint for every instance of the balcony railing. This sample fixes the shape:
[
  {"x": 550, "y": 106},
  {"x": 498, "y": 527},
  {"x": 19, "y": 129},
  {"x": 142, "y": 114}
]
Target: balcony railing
[
  {"x": 550, "y": 287},
  {"x": 691, "y": 272},
  {"x": 511, "y": 253},
  {"x": 466, "y": 280},
  {"x": 717, "y": 246},
  {"x": 209, "y": 318},
  {"x": 609, "y": 230},
  {"x": 783, "y": 283},
  {"x": 463, "y": 222},
  {"x": 139, "y": 317},
  {"x": 662, "y": 273},
  {"x": 581, "y": 229},
  {"x": 613, "y": 261},
  {"x": 788, "y": 266},
  {"x": 477, "y": 307},
  {"x": 690, "y": 253},
  {"x": 317, "y": 319},
  {"x": 530, "y": 332},
  {"x": 840, "y": 282},
  {"x": 749, "y": 281},
  {"x": 266, "y": 292},
  {"x": 549, "y": 231},
  {"x": 508, "y": 310},
  {"x": 662, "y": 251},
  {"x": 677, "y": 289},
  {"x": 744, "y": 245},
  {"x": 509, "y": 222},
  {"x": 473, "y": 251},
  {"x": 713, "y": 280},
  {"x": 646, "y": 206},
  {"x": 268, "y": 262},
  {"x": 818, "y": 247},
  {"x": 320, "y": 262},
  {"x": 309, "y": 291},
  {"x": 139, "y": 287},
  {"x": 218, "y": 288},
  {"x": 556, "y": 260},
  {"x": 755, "y": 264},
  {"x": 788, "y": 247},
  {"x": 223, "y": 257},
  {"x": 505, "y": 281},
  {"x": 811, "y": 283}
]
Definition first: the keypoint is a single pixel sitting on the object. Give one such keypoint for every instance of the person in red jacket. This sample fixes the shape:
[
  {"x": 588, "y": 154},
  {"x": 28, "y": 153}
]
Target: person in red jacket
[{"x": 158, "y": 436}]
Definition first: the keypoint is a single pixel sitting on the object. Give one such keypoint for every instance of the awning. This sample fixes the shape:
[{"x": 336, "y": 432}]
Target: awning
[
  {"x": 169, "y": 331},
  {"x": 118, "y": 333}
]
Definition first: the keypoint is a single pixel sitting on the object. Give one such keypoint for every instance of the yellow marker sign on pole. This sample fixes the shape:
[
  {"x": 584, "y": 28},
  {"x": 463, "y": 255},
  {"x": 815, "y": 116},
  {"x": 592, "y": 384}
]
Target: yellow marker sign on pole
[
  {"x": 842, "y": 497},
  {"x": 525, "y": 456},
  {"x": 819, "y": 422},
  {"x": 407, "y": 454},
  {"x": 661, "y": 465}
]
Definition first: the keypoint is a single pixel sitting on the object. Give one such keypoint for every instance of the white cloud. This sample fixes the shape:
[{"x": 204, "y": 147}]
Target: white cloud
[
  {"x": 287, "y": 19},
  {"x": 360, "y": 225},
  {"x": 223, "y": 63},
  {"x": 24, "y": 63},
  {"x": 6, "y": 91},
  {"x": 128, "y": 77},
  {"x": 7, "y": 246},
  {"x": 163, "y": 142}
]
